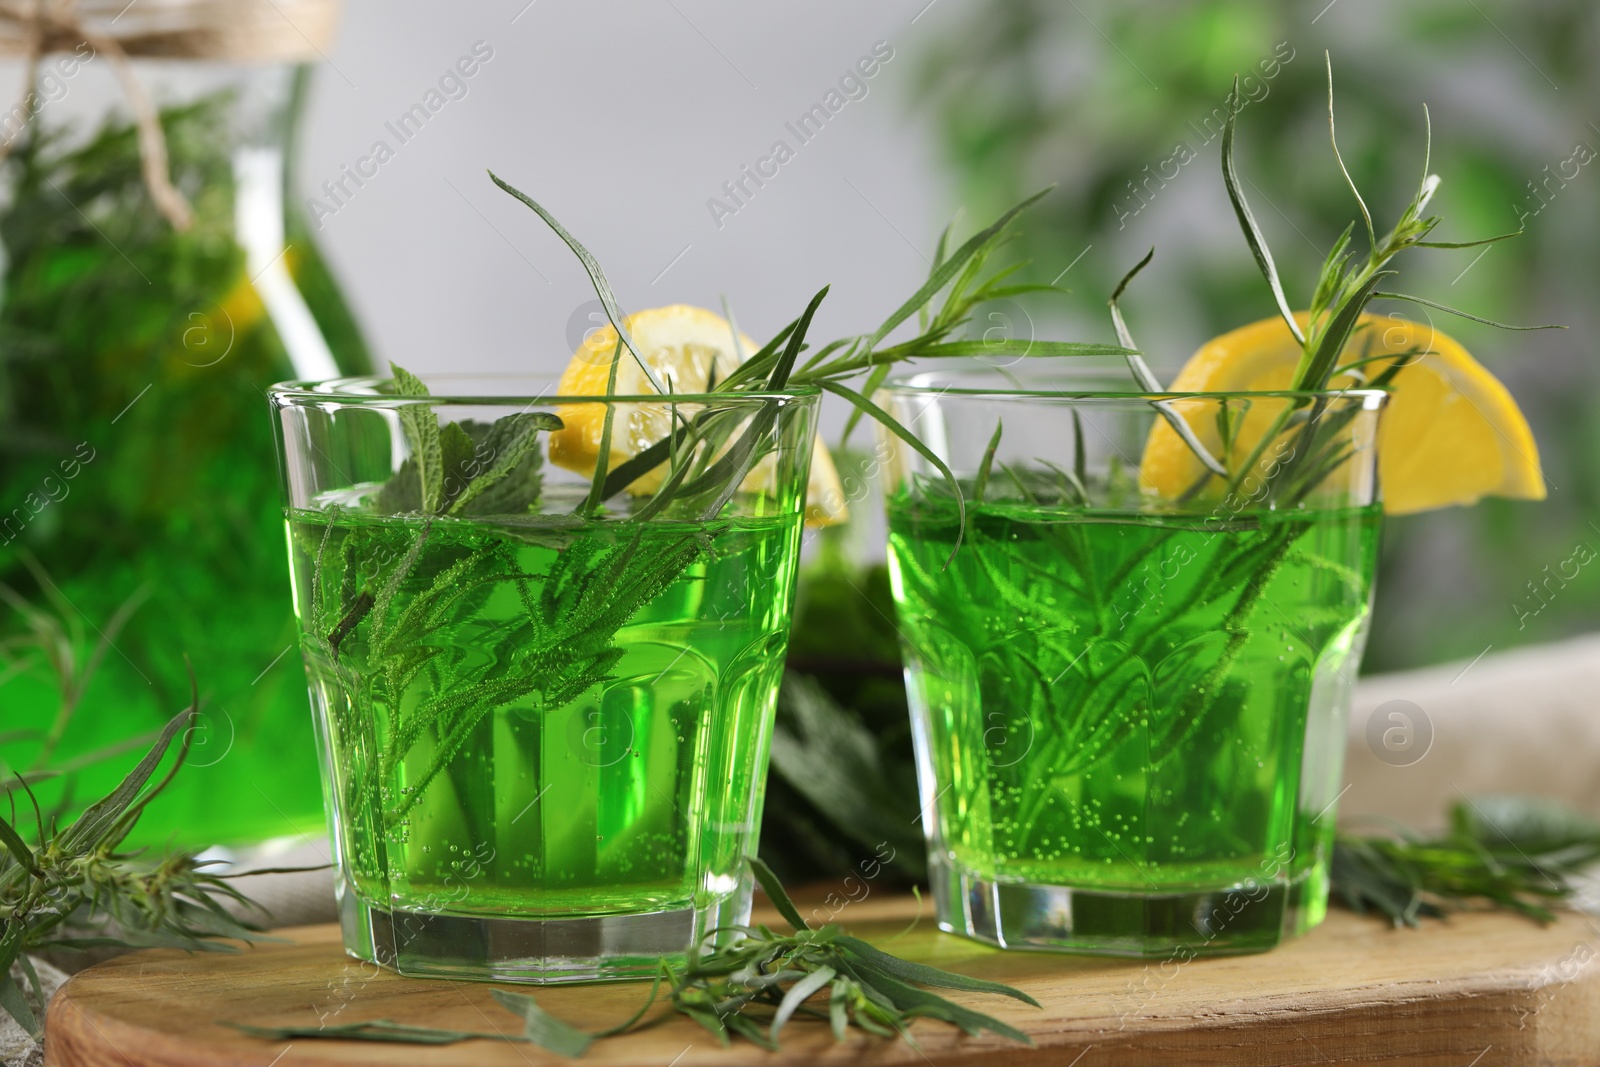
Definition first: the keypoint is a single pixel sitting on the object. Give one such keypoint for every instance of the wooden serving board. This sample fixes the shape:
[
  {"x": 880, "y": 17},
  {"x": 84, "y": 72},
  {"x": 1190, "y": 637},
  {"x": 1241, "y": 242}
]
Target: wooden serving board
[{"x": 1483, "y": 990}]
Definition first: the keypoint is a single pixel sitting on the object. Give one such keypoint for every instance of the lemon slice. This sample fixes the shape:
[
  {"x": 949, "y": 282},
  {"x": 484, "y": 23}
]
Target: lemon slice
[
  {"x": 689, "y": 349},
  {"x": 1451, "y": 433}
]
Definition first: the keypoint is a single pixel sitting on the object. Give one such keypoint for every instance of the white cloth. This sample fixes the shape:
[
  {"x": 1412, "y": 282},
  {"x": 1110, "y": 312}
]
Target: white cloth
[{"x": 1523, "y": 721}]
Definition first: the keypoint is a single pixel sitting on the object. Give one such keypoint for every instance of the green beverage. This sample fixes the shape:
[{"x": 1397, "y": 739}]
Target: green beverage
[
  {"x": 544, "y": 720},
  {"x": 1129, "y": 684},
  {"x": 1123, "y": 704},
  {"x": 543, "y": 707}
]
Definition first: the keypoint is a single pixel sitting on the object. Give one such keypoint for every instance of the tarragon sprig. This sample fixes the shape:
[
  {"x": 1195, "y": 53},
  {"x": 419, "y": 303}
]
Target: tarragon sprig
[
  {"x": 754, "y": 985},
  {"x": 959, "y": 276},
  {"x": 751, "y": 987},
  {"x": 1345, "y": 286},
  {"x": 70, "y": 888},
  {"x": 1518, "y": 853},
  {"x": 779, "y": 973}
]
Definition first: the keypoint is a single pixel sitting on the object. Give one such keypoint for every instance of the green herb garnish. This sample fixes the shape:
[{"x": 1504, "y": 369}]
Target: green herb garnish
[
  {"x": 1344, "y": 288},
  {"x": 70, "y": 888},
  {"x": 467, "y": 467},
  {"x": 1516, "y": 853},
  {"x": 710, "y": 453},
  {"x": 750, "y": 988},
  {"x": 867, "y": 987},
  {"x": 959, "y": 276}
]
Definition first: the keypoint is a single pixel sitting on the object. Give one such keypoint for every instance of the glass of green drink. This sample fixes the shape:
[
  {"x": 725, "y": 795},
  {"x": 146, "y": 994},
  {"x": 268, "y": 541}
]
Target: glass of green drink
[
  {"x": 1129, "y": 682},
  {"x": 543, "y": 699}
]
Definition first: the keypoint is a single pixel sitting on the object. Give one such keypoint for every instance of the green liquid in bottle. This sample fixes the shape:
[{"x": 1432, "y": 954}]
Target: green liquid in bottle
[{"x": 142, "y": 520}]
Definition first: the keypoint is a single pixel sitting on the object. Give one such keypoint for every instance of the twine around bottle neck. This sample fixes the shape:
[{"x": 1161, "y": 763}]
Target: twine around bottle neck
[{"x": 244, "y": 31}]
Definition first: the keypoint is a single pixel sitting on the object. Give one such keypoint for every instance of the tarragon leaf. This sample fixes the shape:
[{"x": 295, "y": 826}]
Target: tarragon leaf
[
  {"x": 913, "y": 1001},
  {"x": 923, "y": 974},
  {"x": 382, "y": 1030},
  {"x": 1147, "y": 379},
  {"x": 888, "y": 422},
  {"x": 798, "y": 994},
  {"x": 1322, "y": 360},
  {"x": 1472, "y": 244},
  {"x": 421, "y": 428},
  {"x": 875, "y": 380},
  {"x": 1333, "y": 139},
  {"x": 19, "y": 848},
  {"x": 15, "y": 1003},
  {"x": 987, "y": 465},
  {"x": 947, "y": 269},
  {"x": 542, "y": 1028},
  {"x": 98, "y": 819},
  {"x": 1247, "y": 221},
  {"x": 597, "y": 278},
  {"x": 1141, "y": 372},
  {"x": 1532, "y": 825},
  {"x": 1448, "y": 310},
  {"x": 597, "y": 479},
  {"x": 511, "y": 443},
  {"x": 730, "y": 469},
  {"x": 746, "y": 1028},
  {"x": 791, "y": 351},
  {"x": 774, "y": 889},
  {"x": 1330, "y": 280}
]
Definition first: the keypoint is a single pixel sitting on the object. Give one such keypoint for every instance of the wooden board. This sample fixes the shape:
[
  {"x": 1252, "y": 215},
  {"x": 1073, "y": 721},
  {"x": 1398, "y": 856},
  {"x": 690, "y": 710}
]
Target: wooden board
[{"x": 1484, "y": 990}]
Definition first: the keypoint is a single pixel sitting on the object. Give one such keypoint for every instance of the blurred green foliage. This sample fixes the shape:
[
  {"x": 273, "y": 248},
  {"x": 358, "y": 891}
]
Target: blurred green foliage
[
  {"x": 1119, "y": 101},
  {"x": 843, "y": 787}
]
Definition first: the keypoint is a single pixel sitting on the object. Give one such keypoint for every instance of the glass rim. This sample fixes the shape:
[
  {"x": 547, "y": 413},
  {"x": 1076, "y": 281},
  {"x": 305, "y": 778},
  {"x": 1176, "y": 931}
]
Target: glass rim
[
  {"x": 1369, "y": 396},
  {"x": 344, "y": 391}
]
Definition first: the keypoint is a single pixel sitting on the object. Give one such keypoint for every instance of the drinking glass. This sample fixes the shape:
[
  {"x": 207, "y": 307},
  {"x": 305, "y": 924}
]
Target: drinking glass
[
  {"x": 543, "y": 700},
  {"x": 1128, "y": 675}
]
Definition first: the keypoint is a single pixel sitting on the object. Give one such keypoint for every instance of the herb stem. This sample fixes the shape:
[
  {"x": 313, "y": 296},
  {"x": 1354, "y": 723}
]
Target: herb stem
[{"x": 602, "y": 460}]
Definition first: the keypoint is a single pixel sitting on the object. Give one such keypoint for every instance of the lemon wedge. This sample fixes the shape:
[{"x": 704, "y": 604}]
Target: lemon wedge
[
  {"x": 1451, "y": 433},
  {"x": 689, "y": 349}
]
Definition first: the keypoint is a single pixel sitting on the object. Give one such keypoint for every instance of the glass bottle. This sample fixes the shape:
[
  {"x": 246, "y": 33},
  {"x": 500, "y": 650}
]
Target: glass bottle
[{"x": 140, "y": 529}]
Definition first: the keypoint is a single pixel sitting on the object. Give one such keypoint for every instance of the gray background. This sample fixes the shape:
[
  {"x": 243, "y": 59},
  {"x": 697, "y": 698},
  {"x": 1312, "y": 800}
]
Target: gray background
[{"x": 623, "y": 119}]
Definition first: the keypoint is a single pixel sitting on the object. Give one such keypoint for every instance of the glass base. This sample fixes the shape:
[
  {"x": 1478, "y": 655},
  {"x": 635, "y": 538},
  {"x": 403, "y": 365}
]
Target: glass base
[
  {"x": 508, "y": 949},
  {"x": 1232, "y": 920}
]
